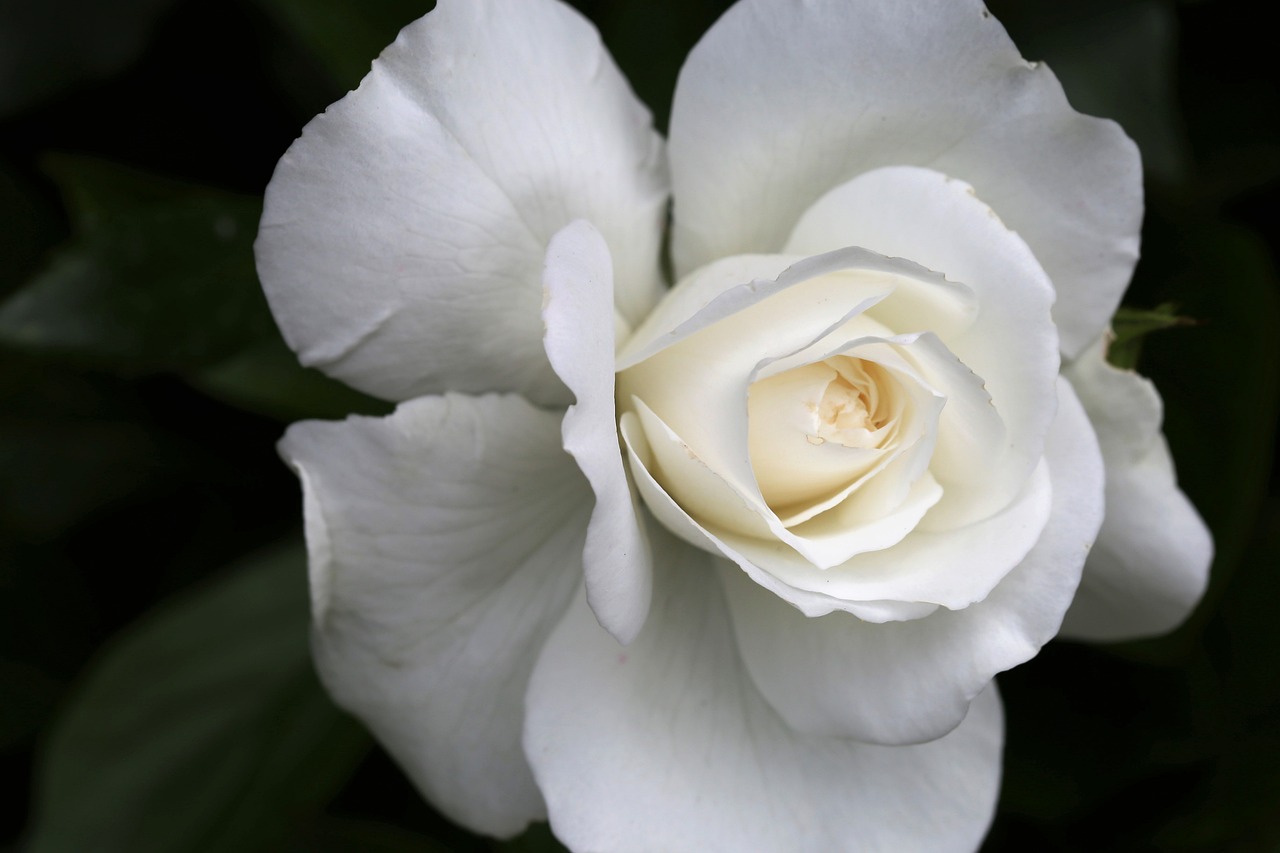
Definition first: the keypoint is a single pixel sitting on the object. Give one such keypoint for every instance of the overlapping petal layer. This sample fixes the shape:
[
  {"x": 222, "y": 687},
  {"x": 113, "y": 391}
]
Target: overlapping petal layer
[
  {"x": 939, "y": 223},
  {"x": 780, "y": 102},
  {"x": 403, "y": 234},
  {"x": 1150, "y": 564},
  {"x": 924, "y": 544},
  {"x": 420, "y": 230},
  {"x": 578, "y": 312},
  {"x": 445, "y": 542},
  {"x": 667, "y": 745},
  {"x": 913, "y": 681}
]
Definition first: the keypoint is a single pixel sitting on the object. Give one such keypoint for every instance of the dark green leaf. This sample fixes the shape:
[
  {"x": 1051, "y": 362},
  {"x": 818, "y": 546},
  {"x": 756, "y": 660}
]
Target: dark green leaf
[
  {"x": 345, "y": 37},
  {"x": 268, "y": 379},
  {"x": 71, "y": 445},
  {"x": 28, "y": 228},
  {"x": 1132, "y": 325},
  {"x": 159, "y": 276},
  {"x": 343, "y": 835},
  {"x": 97, "y": 192},
  {"x": 53, "y": 45},
  {"x": 28, "y": 694},
  {"x": 202, "y": 728},
  {"x": 58, "y": 471}
]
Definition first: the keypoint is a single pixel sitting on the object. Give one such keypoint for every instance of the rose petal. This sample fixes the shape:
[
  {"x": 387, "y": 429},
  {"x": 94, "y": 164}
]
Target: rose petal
[
  {"x": 727, "y": 500},
  {"x": 813, "y": 602},
  {"x": 971, "y": 453},
  {"x": 579, "y": 318},
  {"x": 693, "y": 369},
  {"x": 445, "y": 543},
  {"x": 913, "y": 422},
  {"x": 403, "y": 234},
  {"x": 908, "y": 682},
  {"x": 939, "y": 223},
  {"x": 1150, "y": 565},
  {"x": 699, "y": 488},
  {"x": 781, "y": 102},
  {"x": 951, "y": 568},
  {"x": 667, "y": 745},
  {"x": 731, "y": 285}
]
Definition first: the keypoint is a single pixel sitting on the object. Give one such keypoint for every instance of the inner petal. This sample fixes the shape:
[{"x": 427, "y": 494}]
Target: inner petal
[
  {"x": 859, "y": 407},
  {"x": 817, "y": 430}
]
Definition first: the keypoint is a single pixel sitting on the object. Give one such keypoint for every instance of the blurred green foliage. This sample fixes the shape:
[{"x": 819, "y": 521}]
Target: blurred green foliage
[
  {"x": 157, "y": 276},
  {"x": 1131, "y": 327},
  {"x": 163, "y": 702},
  {"x": 201, "y": 727}
]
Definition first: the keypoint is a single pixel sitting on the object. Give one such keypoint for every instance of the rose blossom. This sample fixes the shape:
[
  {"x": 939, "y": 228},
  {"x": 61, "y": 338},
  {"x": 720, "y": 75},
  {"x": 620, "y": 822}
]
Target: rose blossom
[{"x": 731, "y": 565}]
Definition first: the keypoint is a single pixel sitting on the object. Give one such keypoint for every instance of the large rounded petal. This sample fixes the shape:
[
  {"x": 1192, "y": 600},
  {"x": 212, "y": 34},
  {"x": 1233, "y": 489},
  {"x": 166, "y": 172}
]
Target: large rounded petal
[
  {"x": 939, "y": 223},
  {"x": 907, "y": 682},
  {"x": 403, "y": 234},
  {"x": 667, "y": 745},
  {"x": 579, "y": 317},
  {"x": 1151, "y": 563},
  {"x": 445, "y": 542},
  {"x": 782, "y": 101}
]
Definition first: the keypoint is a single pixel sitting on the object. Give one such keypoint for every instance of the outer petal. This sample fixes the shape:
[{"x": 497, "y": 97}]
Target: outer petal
[
  {"x": 580, "y": 343},
  {"x": 1151, "y": 563},
  {"x": 907, "y": 682},
  {"x": 445, "y": 541},
  {"x": 402, "y": 239},
  {"x": 782, "y": 101},
  {"x": 666, "y": 745}
]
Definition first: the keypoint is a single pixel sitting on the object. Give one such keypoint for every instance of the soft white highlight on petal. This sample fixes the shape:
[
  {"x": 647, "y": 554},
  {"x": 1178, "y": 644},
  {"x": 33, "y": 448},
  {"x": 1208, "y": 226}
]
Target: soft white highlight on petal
[
  {"x": 697, "y": 487},
  {"x": 896, "y": 548},
  {"x": 813, "y": 431},
  {"x": 667, "y": 745},
  {"x": 909, "y": 682},
  {"x": 951, "y": 568},
  {"x": 907, "y": 443},
  {"x": 938, "y": 222},
  {"x": 693, "y": 369},
  {"x": 403, "y": 234},
  {"x": 782, "y": 101},
  {"x": 578, "y": 314},
  {"x": 1150, "y": 565},
  {"x": 810, "y": 601},
  {"x": 445, "y": 542}
]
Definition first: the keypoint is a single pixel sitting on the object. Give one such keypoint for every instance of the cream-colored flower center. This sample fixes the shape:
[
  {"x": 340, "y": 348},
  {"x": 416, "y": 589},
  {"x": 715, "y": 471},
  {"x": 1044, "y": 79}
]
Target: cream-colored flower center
[
  {"x": 817, "y": 429},
  {"x": 850, "y": 411}
]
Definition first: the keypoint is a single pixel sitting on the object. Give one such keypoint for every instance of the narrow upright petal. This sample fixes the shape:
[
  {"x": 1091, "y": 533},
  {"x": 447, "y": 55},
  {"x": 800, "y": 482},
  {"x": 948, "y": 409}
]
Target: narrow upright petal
[
  {"x": 783, "y": 100},
  {"x": 667, "y": 745},
  {"x": 403, "y": 234},
  {"x": 1151, "y": 562},
  {"x": 445, "y": 543},
  {"x": 579, "y": 317}
]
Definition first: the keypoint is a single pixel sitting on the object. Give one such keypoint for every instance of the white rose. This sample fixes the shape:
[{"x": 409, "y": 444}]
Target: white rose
[{"x": 815, "y": 496}]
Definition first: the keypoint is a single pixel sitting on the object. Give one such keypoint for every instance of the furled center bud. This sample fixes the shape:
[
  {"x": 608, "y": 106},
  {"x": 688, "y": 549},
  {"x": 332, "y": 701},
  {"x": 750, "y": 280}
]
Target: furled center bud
[
  {"x": 816, "y": 429},
  {"x": 853, "y": 411}
]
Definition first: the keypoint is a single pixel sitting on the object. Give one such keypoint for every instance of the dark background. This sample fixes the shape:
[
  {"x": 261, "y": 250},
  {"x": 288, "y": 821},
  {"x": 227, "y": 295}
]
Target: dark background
[{"x": 155, "y": 690}]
